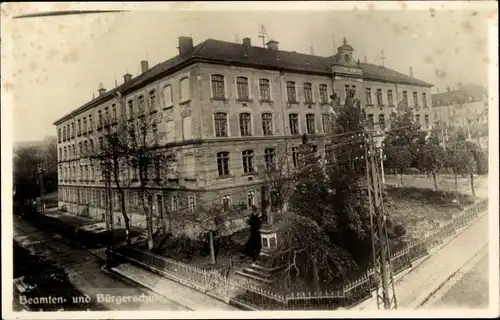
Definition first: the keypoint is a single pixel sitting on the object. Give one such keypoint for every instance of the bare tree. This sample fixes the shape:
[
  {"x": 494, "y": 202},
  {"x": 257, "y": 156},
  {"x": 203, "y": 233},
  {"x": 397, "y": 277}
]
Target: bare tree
[
  {"x": 106, "y": 148},
  {"x": 148, "y": 159},
  {"x": 277, "y": 176},
  {"x": 212, "y": 219}
]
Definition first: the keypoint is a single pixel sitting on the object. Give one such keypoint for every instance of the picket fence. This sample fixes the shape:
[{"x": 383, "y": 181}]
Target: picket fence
[{"x": 251, "y": 297}]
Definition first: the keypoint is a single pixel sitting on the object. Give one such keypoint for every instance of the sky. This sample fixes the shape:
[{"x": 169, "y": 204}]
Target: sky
[{"x": 59, "y": 62}]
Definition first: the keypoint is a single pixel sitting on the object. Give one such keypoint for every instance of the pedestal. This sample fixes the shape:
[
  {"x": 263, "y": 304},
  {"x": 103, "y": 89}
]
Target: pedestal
[{"x": 265, "y": 269}]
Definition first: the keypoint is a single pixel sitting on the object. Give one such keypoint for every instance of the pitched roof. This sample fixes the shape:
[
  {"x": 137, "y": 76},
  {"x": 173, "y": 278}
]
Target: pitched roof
[
  {"x": 218, "y": 51},
  {"x": 461, "y": 95}
]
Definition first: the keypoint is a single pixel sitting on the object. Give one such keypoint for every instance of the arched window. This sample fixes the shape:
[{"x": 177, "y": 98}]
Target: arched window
[
  {"x": 245, "y": 124},
  {"x": 242, "y": 88},
  {"x": 184, "y": 89},
  {"x": 223, "y": 163},
  {"x": 220, "y": 122},
  {"x": 218, "y": 90},
  {"x": 167, "y": 95}
]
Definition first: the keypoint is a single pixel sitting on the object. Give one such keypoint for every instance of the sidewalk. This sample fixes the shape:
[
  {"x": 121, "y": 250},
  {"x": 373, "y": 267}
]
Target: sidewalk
[
  {"x": 413, "y": 288},
  {"x": 189, "y": 298}
]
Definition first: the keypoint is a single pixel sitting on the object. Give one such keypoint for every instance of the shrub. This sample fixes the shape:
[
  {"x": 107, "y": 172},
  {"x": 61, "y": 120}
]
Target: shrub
[{"x": 399, "y": 230}]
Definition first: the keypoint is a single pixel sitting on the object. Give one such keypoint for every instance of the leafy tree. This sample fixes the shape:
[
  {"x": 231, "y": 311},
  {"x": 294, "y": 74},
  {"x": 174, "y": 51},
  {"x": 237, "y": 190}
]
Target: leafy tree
[
  {"x": 404, "y": 141},
  {"x": 433, "y": 156},
  {"x": 332, "y": 198},
  {"x": 307, "y": 253},
  {"x": 464, "y": 158}
]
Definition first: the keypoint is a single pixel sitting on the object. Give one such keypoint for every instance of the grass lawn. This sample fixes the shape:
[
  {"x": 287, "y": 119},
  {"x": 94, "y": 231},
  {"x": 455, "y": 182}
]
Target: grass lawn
[{"x": 420, "y": 210}]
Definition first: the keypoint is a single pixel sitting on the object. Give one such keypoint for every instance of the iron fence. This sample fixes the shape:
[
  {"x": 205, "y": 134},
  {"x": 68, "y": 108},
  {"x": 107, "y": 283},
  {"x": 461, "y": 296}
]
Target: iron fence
[{"x": 252, "y": 297}]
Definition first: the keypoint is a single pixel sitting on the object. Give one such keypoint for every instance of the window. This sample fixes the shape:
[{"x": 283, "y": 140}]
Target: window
[
  {"x": 134, "y": 173},
  {"x": 242, "y": 88},
  {"x": 294, "y": 123},
  {"x": 191, "y": 204},
  {"x": 167, "y": 95},
  {"x": 265, "y": 90},
  {"x": 310, "y": 123},
  {"x": 370, "y": 118},
  {"x": 79, "y": 132},
  {"x": 189, "y": 166},
  {"x": 424, "y": 99},
  {"x": 184, "y": 89},
  {"x": 59, "y": 135},
  {"x": 323, "y": 93},
  {"x": 80, "y": 147},
  {"x": 73, "y": 129},
  {"x": 99, "y": 117},
  {"x": 141, "y": 104},
  {"x": 106, "y": 115},
  {"x": 152, "y": 100},
  {"x": 368, "y": 94},
  {"x": 267, "y": 124},
  {"x": 308, "y": 98},
  {"x": 186, "y": 128},
  {"x": 381, "y": 121},
  {"x": 405, "y": 97},
  {"x": 86, "y": 172},
  {"x": 223, "y": 163},
  {"x": 220, "y": 120},
  {"x": 218, "y": 91},
  {"x": 226, "y": 202},
  {"x": 247, "y": 156},
  {"x": 174, "y": 203},
  {"x": 92, "y": 172},
  {"x": 389, "y": 98},
  {"x": 290, "y": 92},
  {"x": 245, "y": 124},
  {"x": 379, "y": 97},
  {"x": 65, "y": 154},
  {"x": 417, "y": 118},
  {"x": 84, "y": 126},
  {"x": 170, "y": 131},
  {"x": 91, "y": 124},
  {"x": 60, "y": 154},
  {"x": 86, "y": 147},
  {"x": 415, "y": 99},
  {"x": 426, "y": 120},
  {"x": 154, "y": 129},
  {"x": 327, "y": 124},
  {"x": 130, "y": 109},
  {"x": 251, "y": 199},
  {"x": 269, "y": 158},
  {"x": 157, "y": 168},
  {"x": 295, "y": 156}
]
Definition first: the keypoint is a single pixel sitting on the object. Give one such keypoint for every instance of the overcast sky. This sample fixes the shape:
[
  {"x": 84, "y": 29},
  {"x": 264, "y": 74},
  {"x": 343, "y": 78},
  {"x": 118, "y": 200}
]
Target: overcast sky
[{"x": 60, "y": 61}]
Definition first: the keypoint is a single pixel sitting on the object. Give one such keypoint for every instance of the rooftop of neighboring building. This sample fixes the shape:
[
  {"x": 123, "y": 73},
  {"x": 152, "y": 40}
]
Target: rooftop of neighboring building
[
  {"x": 216, "y": 51},
  {"x": 459, "y": 95}
]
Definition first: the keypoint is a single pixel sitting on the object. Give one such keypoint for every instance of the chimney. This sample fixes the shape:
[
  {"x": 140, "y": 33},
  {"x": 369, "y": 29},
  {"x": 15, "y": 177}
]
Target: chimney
[
  {"x": 127, "y": 77},
  {"x": 272, "y": 45},
  {"x": 101, "y": 91},
  {"x": 185, "y": 45},
  {"x": 448, "y": 88},
  {"x": 247, "y": 42},
  {"x": 411, "y": 72},
  {"x": 144, "y": 66}
]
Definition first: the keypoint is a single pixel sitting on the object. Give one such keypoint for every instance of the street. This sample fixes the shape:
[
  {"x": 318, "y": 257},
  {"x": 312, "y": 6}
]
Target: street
[
  {"x": 84, "y": 270},
  {"x": 469, "y": 289},
  {"x": 424, "y": 280}
]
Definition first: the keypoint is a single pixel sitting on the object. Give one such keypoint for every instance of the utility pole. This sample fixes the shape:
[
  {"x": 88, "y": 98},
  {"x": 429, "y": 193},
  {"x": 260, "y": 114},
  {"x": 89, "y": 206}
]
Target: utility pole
[
  {"x": 384, "y": 281},
  {"x": 42, "y": 204}
]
